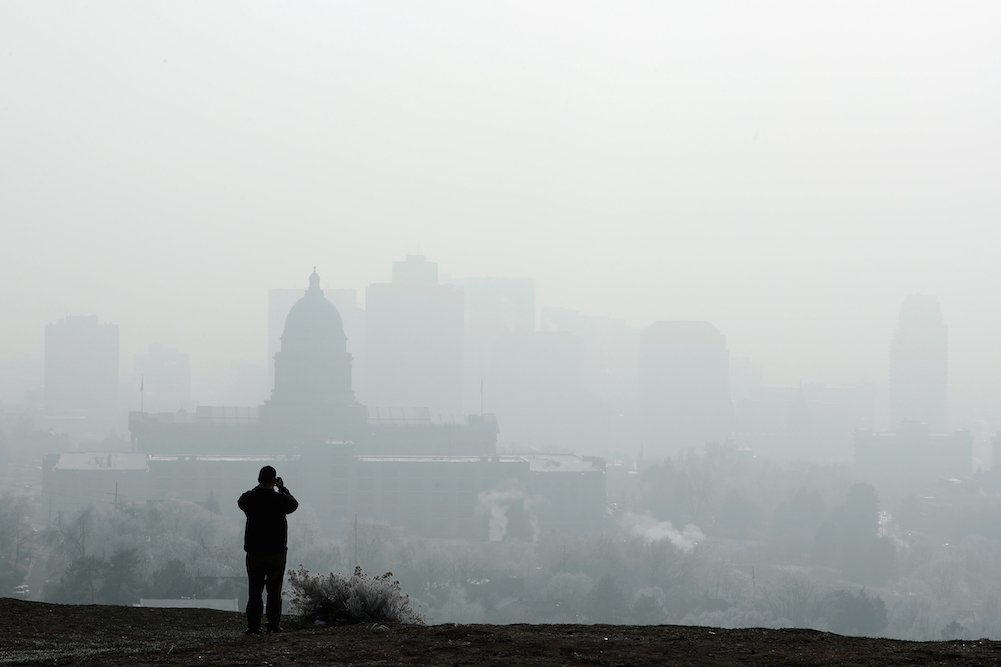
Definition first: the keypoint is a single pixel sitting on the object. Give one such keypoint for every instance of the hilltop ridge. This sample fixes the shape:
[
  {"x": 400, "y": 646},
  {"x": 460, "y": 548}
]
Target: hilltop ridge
[{"x": 35, "y": 633}]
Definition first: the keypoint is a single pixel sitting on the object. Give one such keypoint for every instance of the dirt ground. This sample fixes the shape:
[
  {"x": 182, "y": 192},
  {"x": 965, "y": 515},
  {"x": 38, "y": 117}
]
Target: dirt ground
[{"x": 33, "y": 633}]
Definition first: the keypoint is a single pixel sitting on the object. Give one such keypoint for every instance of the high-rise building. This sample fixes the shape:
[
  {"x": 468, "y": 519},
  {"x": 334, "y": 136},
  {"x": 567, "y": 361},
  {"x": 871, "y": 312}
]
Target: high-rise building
[
  {"x": 609, "y": 363},
  {"x": 495, "y": 307},
  {"x": 503, "y": 305},
  {"x": 414, "y": 341},
  {"x": 919, "y": 365},
  {"x": 684, "y": 391},
  {"x": 81, "y": 368},
  {"x": 21, "y": 380},
  {"x": 534, "y": 385},
  {"x": 611, "y": 351},
  {"x": 164, "y": 374}
]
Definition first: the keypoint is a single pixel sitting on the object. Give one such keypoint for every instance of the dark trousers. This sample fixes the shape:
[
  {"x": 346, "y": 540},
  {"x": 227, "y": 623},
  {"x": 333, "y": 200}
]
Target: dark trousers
[{"x": 265, "y": 571}]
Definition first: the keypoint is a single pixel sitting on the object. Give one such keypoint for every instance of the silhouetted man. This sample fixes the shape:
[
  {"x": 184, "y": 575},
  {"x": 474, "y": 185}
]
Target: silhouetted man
[{"x": 266, "y": 543}]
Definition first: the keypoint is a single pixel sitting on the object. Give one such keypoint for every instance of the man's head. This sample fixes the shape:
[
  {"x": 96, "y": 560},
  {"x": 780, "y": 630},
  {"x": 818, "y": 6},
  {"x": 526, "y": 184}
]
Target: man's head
[{"x": 267, "y": 477}]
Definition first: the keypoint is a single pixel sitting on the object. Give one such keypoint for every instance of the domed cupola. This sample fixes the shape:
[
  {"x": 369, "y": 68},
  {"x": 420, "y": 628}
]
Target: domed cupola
[
  {"x": 314, "y": 320},
  {"x": 313, "y": 363}
]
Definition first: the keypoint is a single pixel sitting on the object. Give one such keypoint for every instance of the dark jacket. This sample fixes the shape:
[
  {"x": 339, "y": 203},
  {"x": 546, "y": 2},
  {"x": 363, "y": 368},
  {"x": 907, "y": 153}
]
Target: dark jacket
[{"x": 267, "y": 528}]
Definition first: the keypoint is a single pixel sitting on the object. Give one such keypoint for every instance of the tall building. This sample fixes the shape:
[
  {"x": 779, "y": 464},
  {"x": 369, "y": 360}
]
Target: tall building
[
  {"x": 534, "y": 385},
  {"x": 495, "y": 307},
  {"x": 81, "y": 368},
  {"x": 684, "y": 392},
  {"x": 414, "y": 341},
  {"x": 500, "y": 305},
  {"x": 919, "y": 365},
  {"x": 609, "y": 363},
  {"x": 611, "y": 351},
  {"x": 165, "y": 377},
  {"x": 21, "y": 380}
]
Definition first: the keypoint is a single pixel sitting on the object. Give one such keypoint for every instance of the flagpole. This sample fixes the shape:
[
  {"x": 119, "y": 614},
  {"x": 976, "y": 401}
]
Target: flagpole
[{"x": 142, "y": 397}]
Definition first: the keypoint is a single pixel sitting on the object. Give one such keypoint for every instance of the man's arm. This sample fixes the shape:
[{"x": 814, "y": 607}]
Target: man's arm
[{"x": 290, "y": 503}]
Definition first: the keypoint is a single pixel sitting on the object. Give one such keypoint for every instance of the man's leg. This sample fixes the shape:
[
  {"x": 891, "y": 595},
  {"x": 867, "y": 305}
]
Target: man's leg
[
  {"x": 256, "y": 574},
  {"x": 276, "y": 576}
]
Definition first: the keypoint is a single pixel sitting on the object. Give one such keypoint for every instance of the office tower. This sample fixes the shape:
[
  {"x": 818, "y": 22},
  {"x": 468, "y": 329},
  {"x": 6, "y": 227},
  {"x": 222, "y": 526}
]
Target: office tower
[
  {"x": 610, "y": 352},
  {"x": 609, "y": 362},
  {"x": 919, "y": 365},
  {"x": 21, "y": 380},
  {"x": 414, "y": 341},
  {"x": 494, "y": 307},
  {"x": 503, "y": 305},
  {"x": 165, "y": 377},
  {"x": 81, "y": 368},
  {"x": 534, "y": 385},
  {"x": 684, "y": 392}
]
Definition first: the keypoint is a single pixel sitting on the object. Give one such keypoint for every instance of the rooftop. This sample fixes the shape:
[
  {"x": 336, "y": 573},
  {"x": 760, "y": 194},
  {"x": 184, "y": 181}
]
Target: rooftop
[
  {"x": 558, "y": 463},
  {"x": 100, "y": 461}
]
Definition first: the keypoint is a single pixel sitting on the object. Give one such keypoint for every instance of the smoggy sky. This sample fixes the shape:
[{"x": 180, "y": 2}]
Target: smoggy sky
[{"x": 786, "y": 171}]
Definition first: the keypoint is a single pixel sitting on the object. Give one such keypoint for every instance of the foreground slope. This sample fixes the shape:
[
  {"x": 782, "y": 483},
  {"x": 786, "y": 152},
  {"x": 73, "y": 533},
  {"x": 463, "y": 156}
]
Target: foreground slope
[{"x": 33, "y": 633}]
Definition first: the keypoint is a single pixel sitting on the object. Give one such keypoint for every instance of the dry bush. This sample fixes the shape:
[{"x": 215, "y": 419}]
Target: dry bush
[{"x": 338, "y": 600}]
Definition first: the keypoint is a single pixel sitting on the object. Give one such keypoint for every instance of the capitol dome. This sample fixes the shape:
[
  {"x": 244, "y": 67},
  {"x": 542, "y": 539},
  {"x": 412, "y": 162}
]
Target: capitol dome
[
  {"x": 313, "y": 318},
  {"x": 313, "y": 363}
]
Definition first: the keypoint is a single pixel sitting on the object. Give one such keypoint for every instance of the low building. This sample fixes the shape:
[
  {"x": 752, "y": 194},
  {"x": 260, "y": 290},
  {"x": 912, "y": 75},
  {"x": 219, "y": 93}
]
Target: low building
[
  {"x": 570, "y": 490},
  {"x": 443, "y": 496},
  {"x": 209, "y": 429},
  {"x": 210, "y": 480},
  {"x": 73, "y": 480},
  {"x": 246, "y": 430},
  {"x": 913, "y": 453},
  {"x": 474, "y": 497}
]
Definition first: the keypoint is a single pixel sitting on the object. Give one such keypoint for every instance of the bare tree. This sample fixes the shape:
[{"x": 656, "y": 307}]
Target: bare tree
[
  {"x": 793, "y": 597},
  {"x": 67, "y": 540}
]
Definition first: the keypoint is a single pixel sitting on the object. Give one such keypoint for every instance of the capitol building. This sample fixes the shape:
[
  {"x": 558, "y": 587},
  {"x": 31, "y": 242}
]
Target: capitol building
[{"x": 439, "y": 478}]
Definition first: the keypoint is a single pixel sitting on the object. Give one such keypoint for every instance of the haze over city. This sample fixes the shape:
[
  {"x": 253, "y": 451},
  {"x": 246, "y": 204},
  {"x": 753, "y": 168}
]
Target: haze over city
[
  {"x": 788, "y": 173},
  {"x": 712, "y": 283}
]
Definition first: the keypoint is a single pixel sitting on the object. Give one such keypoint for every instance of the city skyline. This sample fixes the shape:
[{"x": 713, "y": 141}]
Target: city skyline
[
  {"x": 353, "y": 299},
  {"x": 350, "y": 298},
  {"x": 845, "y": 159}
]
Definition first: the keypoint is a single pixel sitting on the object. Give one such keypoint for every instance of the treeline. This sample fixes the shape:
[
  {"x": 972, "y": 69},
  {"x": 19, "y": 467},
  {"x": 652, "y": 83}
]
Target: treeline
[{"x": 173, "y": 549}]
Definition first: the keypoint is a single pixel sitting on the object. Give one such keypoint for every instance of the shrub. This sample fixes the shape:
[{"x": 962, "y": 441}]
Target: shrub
[
  {"x": 850, "y": 614},
  {"x": 338, "y": 600}
]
